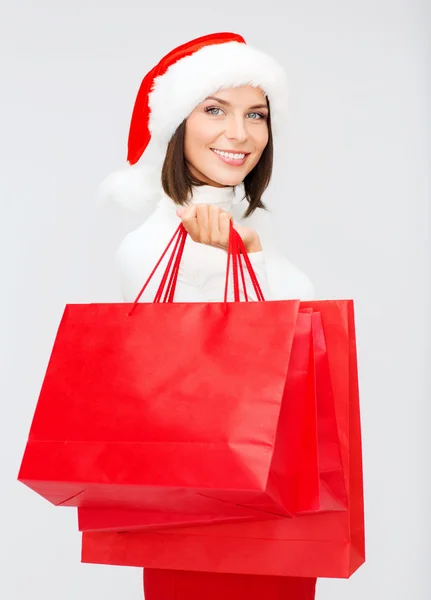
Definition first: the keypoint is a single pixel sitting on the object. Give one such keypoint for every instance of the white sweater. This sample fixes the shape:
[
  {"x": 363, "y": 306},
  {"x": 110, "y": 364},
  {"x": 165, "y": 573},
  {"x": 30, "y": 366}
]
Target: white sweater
[{"x": 203, "y": 268}]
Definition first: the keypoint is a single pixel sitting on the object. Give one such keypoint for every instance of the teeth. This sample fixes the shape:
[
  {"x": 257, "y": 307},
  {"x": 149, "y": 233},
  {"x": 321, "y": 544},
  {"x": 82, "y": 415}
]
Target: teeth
[{"x": 229, "y": 154}]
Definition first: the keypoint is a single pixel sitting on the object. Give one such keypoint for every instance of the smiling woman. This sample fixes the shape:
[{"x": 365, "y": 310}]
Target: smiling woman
[{"x": 212, "y": 104}]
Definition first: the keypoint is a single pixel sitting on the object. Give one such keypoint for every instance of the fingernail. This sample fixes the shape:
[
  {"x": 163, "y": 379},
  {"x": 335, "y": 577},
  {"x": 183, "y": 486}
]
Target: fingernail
[{"x": 180, "y": 211}]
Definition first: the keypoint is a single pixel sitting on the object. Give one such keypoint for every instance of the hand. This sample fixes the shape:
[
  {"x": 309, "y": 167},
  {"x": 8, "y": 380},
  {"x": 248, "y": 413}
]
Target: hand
[{"x": 208, "y": 224}]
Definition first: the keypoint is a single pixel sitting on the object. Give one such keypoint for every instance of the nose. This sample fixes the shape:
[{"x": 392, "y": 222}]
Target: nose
[{"x": 236, "y": 129}]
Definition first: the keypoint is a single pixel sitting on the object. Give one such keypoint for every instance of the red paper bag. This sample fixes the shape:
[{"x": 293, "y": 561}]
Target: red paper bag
[
  {"x": 119, "y": 519},
  {"x": 123, "y": 419},
  {"x": 321, "y": 425},
  {"x": 311, "y": 438},
  {"x": 174, "y": 408},
  {"x": 321, "y": 545},
  {"x": 297, "y": 388}
]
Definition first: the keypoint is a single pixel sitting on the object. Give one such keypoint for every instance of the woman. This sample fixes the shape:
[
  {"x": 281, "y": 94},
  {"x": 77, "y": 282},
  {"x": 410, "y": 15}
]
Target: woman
[{"x": 212, "y": 104}]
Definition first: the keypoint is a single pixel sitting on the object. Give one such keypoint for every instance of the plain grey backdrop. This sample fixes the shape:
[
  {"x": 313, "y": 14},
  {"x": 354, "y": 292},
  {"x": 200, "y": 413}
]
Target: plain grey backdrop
[{"x": 351, "y": 195}]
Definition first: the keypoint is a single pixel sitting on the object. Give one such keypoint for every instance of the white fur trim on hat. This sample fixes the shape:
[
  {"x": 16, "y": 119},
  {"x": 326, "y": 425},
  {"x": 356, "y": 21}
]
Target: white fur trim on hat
[
  {"x": 136, "y": 188},
  {"x": 189, "y": 81}
]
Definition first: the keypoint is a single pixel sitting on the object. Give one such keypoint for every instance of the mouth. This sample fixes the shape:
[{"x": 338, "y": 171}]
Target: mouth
[{"x": 235, "y": 159}]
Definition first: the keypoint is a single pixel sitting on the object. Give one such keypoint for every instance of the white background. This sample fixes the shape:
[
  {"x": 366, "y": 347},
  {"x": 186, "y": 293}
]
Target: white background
[{"x": 351, "y": 191}]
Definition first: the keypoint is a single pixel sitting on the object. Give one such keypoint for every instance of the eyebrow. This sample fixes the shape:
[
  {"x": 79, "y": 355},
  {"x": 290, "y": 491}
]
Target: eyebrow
[{"x": 226, "y": 103}]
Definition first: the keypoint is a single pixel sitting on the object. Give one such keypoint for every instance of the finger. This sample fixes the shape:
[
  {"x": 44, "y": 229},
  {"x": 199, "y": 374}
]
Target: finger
[
  {"x": 224, "y": 227},
  {"x": 203, "y": 223},
  {"x": 189, "y": 219}
]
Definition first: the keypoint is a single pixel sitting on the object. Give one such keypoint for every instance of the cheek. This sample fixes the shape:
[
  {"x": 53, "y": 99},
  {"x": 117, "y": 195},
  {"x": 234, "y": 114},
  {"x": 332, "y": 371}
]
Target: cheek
[
  {"x": 199, "y": 134},
  {"x": 261, "y": 138}
]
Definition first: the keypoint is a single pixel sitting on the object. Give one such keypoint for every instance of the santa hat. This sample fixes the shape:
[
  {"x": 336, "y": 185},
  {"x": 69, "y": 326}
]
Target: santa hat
[{"x": 174, "y": 87}]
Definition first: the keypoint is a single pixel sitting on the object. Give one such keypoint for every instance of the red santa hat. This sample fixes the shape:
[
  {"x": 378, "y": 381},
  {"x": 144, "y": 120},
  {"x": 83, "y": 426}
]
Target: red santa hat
[{"x": 174, "y": 87}]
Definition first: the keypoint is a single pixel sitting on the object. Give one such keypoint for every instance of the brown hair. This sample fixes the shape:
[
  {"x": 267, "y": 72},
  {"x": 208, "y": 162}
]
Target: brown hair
[{"x": 177, "y": 181}]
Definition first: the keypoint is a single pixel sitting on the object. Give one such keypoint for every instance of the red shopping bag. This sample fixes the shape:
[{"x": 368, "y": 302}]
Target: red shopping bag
[
  {"x": 311, "y": 438},
  {"x": 328, "y": 544},
  {"x": 298, "y": 388},
  {"x": 123, "y": 419},
  {"x": 122, "y": 519},
  {"x": 321, "y": 425}
]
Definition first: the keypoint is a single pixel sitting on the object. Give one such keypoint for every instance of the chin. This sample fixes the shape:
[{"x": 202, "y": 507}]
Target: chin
[{"x": 228, "y": 179}]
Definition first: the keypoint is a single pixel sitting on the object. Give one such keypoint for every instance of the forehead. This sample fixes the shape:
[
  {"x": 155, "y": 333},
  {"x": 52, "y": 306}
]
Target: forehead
[{"x": 245, "y": 94}]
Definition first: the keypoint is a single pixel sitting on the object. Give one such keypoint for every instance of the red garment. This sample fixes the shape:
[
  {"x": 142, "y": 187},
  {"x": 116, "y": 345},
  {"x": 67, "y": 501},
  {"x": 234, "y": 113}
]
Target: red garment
[{"x": 164, "y": 584}]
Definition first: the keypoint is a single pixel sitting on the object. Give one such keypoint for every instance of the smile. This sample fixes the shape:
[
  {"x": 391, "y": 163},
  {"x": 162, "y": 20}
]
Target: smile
[
  {"x": 233, "y": 159},
  {"x": 231, "y": 155}
]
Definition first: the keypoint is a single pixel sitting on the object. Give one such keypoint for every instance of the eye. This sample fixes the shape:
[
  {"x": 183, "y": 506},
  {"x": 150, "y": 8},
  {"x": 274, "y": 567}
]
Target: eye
[
  {"x": 212, "y": 110},
  {"x": 256, "y": 116}
]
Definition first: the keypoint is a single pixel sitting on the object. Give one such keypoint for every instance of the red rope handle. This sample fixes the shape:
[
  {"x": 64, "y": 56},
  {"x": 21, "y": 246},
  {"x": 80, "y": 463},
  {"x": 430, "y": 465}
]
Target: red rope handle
[
  {"x": 162, "y": 284},
  {"x": 229, "y": 260},
  {"x": 170, "y": 292},
  {"x": 144, "y": 287},
  {"x": 238, "y": 266},
  {"x": 253, "y": 276},
  {"x": 235, "y": 255},
  {"x": 233, "y": 235},
  {"x": 244, "y": 286},
  {"x": 232, "y": 262},
  {"x": 236, "y": 252}
]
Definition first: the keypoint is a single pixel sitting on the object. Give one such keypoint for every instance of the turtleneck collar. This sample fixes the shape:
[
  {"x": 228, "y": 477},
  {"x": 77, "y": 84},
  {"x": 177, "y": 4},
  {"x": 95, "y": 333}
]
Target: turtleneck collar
[{"x": 223, "y": 197}]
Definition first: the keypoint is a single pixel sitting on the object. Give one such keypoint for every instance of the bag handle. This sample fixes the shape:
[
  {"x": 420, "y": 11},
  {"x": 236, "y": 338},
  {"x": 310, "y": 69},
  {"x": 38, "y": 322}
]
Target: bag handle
[
  {"x": 236, "y": 254},
  {"x": 242, "y": 252}
]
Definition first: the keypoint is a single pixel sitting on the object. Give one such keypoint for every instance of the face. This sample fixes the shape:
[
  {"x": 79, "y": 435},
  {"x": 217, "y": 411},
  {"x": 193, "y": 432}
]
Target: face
[{"x": 226, "y": 134}]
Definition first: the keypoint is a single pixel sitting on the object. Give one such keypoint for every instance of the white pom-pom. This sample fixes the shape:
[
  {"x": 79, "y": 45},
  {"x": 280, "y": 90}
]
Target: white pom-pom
[{"x": 136, "y": 187}]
